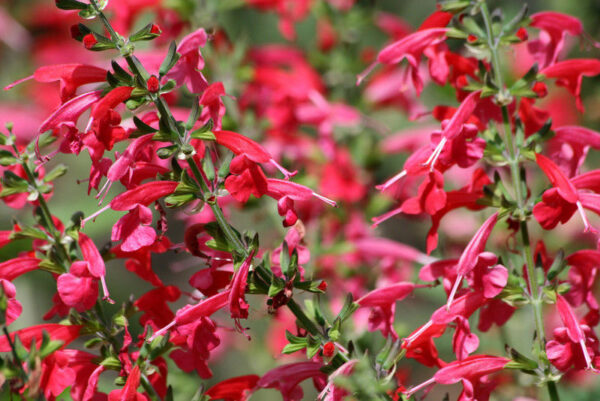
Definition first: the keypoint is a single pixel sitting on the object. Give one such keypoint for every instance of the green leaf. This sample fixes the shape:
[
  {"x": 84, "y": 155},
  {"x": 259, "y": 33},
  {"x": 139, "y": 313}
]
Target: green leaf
[
  {"x": 194, "y": 114},
  {"x": 71, "y": 5},
  {"x": 144, "y": 34},
  {"x": 170, "y": 59},
  {"x": 219, "y": 241},
  {"x": 277, "y": 285},
  {"x": 56, "y": 172},
  {"x": 29, "y": 232},
  {"x": 455, "y": 6},
  {"x": 135, "y": 65},
  {"x": 204, "y": 135},
  {"x": 7, "y": 158},
  {"x": 143, "y": 127}
]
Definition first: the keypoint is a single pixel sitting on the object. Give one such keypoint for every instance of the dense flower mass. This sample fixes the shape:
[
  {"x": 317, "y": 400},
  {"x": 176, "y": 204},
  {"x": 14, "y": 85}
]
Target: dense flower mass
[{"x": 324, "y": 216}]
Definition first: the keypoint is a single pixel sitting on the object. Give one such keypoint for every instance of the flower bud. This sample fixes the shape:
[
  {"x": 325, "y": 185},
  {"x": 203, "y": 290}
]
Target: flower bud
[
  {"x": 328, "y": 349},
  {"x": 472, "y": 38},
  {"x": 540, "y": 89},
  {"x": 153, "y": 84},
  {"x": 522, "y": 34},
  {"x": 89, "y": 41},
  {"x": 155, "y": 29}
]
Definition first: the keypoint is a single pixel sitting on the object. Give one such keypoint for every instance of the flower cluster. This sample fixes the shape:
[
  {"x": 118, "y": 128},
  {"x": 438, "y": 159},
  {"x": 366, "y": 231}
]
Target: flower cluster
[{"x": 261, "y": 171}]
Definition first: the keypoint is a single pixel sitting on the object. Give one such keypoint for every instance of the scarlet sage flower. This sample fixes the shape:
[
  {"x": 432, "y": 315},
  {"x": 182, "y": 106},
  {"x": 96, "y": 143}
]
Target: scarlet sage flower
[
  {"x": 237, "y": 302},
  {"x": 71, "y": 77},
  {"x": 111, "y": 100},
  {"x": 242, "y": 145},
  {"x": 469, "y": 371},
  {"x": 383, "y": 303},
  {"x": 560, "y": 202},
  {"x": 452, "y": 130},
  {"x": 470, "y": 256},
  {"x": 411, "y": 48},
  {"x": 574, "y": 330},
  {"x": 235, "y": 389},
  {"x": 570, "y": 73},
  {"x": 191, "y": 313},
  {"x": 96, "y": 264},
  {"x": 13, "y": 268},
  {"x": 286, "y": 378},
  {"x": 13, "y": 307},
  {"x": 187, "y": 69},
  {"x": 59, "y": 332},
  {"x": 555, "y": 26},
  {"x": 129, "y": 391}
]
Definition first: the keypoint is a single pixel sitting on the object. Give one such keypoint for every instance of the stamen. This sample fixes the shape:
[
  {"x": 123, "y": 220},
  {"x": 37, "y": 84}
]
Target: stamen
[
  {"x": 364, "y": 74},
  {"x": 409, "y": 340},
  {"x": 453, "y": 292},
  {"x": 586, "y": 222},
  {"x": 324, "y": 199},
  {"x": 391, "y": 181},
  {"x": 162, "y": 331},
  {"x": 586, "y": 355},
  {"x": 87, "y": 128},
  {"x": 421, "y": 386},
  {"x": 436, "y": 154},
  {"x": 10, "y": 86},
  {"x": 105, "y": 188},
  {"x": 380, "y": 219},
  {"x": 288, "y": 174},
  {"x": 93, "y": 216},
  {"x": 106, "y": 296}
]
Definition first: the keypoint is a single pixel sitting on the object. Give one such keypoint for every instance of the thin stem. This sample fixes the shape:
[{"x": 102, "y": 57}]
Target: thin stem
[
  {"x": 553, "y": 392},
  {"x": 514, "y": 163},
  {"x": 48, "y": 222},
  {"x": 16, "y": 358},
  {"x": 308, "y": 324}
]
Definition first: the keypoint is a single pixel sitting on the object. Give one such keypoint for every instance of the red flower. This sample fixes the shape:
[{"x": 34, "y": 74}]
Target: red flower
[
  {"x": 71, "y": 77},
  {"x": 235, "y": 389},
  {"x": 570, "y": 74},
  {"x": 286, "y": 378},
  {"x": 560, "y": 202},
  {"x": 472, "y": 254},
  {"x": 383, "y": 301},
  {"x": 129, "y": 391}
]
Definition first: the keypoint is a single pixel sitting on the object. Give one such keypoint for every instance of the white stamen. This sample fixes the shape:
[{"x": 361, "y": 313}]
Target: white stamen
[
  {"x": 288, "y": 174},
  {"x": 324, "y": 199},
  {"x": 436, "y": 154},
  {"x": 453, "y": 292},
  {"x": 391, "y": 181}
]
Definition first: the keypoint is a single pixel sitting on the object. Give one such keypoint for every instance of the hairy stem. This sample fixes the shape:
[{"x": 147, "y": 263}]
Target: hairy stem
[{"x": 517, "y": 180}]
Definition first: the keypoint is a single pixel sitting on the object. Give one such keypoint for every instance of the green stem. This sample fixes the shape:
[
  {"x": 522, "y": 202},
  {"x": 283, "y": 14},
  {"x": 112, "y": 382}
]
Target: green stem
[
  {"x": 47, "y": 220},
  {"x": 16, "y": 358},
  {"x": 514, "y": 163},
  {"x": 308, "y": 324},
  {"x": 553, "y": 392}
]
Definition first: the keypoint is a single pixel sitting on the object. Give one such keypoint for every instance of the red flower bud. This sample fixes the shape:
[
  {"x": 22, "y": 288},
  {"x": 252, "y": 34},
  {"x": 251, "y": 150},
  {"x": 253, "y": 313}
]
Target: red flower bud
[
  {"x": 461, "y": 81},
  {"x": 522, "y": 34},
  {"x": 89, "y": 41},
  {"x": 323, "y": 286},
  {"x": 540, "y": 89},
  {"x": 328, "y": 349},
  {"x": 153, "y": 84},
  {"x": 155, "y": 29},
  {"x": 472, "y": 38}
]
